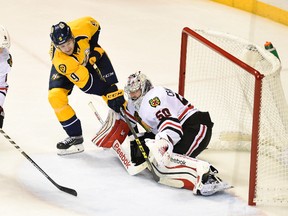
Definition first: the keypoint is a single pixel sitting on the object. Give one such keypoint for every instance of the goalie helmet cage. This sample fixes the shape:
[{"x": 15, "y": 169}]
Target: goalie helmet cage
[{"x": 239, "y": 83}]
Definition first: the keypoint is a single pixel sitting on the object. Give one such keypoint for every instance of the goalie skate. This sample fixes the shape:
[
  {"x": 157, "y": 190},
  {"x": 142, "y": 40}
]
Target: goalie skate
[{"x": 211, "y": 184}]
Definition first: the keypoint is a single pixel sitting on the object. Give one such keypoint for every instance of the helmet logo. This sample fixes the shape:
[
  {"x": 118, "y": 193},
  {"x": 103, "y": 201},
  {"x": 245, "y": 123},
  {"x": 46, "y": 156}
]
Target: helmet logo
[
  {"x": 60, "y": 33},
  {"x": 61, "y": 25}
]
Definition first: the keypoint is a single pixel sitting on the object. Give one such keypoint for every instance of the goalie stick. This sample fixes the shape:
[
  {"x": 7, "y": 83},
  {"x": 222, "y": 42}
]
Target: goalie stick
[
  {"x": 155, "y": 176},
  {"x": 90, "y": 104},
  {"x": 64, "y": 189}
]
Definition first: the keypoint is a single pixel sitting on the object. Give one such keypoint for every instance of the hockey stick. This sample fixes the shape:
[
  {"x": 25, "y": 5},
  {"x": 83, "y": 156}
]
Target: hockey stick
[
  {"x": 64, "y": 189},
  {"x": 95, "y": 112},
  {"x": 155, "y": 176}
]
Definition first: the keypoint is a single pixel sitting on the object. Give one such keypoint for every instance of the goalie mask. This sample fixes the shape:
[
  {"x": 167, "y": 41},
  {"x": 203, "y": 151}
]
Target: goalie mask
[
  {"x": 4, "y": 38},
  {"x": 137, "y": 82}
]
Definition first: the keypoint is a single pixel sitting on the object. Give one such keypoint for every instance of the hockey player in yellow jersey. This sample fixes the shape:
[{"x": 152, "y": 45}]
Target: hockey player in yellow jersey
[{"x": 78, "y": 59}]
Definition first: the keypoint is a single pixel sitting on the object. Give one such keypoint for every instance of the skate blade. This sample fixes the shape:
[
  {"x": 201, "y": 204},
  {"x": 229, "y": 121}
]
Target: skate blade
[
  {"x": 74, "y": 149},
  {"x": 224, "y": 186}
]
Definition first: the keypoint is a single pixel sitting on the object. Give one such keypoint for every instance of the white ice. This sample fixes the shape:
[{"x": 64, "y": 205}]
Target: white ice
[{"x": 138, "y": 35}]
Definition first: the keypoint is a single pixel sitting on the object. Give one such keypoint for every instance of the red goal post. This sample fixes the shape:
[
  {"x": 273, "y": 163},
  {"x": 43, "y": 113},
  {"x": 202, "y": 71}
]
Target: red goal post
[{"x": 239, "y": 83}]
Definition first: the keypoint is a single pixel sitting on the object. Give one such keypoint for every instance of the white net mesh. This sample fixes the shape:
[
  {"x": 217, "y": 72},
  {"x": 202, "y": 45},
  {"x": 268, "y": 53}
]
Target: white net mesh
[{"x": 216, "y": 84}]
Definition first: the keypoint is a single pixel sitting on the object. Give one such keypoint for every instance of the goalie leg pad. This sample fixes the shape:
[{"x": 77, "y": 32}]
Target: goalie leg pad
[
  {"x": 113, "y": 129},
  {"x": 123, "y": 157},
  {"x": 176, "y": 175},
  {"x": 181, "y": 171}
]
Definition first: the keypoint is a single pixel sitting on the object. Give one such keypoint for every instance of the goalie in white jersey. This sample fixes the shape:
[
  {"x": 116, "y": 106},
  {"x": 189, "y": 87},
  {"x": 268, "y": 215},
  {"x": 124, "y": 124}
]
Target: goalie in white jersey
[
  {"x": 5, "y": 67},
  {"x": 168, "y": 115},
  {"x": 176, "y": 132}
]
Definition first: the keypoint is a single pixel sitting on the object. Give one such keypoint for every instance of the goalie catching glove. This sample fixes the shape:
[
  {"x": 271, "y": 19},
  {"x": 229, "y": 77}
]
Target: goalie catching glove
[
  {"x": 160, "y": 151},
  {"x": 115, "y": 98}
]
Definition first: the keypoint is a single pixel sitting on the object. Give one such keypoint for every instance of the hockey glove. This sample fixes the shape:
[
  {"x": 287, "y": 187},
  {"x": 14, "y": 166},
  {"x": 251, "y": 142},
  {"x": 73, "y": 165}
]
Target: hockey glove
[
  {"x": 161, "y": 150},
  {"x": 115, "y": 98},
  {"x": 95, "y": 54},
  {"x": 136, "y": 155}
]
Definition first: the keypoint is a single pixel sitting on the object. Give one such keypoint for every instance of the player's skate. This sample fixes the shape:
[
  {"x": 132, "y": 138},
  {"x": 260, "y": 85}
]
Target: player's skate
[
  {"x": 70, "y": 145},
  {"x": 209, "y": 183}
]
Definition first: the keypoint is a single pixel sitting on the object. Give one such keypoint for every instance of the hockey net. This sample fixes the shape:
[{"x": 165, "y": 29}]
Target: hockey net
[{"x": 239, "y": 84}]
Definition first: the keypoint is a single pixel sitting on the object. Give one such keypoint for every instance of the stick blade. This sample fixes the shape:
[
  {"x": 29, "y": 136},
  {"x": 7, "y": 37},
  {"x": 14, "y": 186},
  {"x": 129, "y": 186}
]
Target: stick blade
[{"x": 68, "y": 190}]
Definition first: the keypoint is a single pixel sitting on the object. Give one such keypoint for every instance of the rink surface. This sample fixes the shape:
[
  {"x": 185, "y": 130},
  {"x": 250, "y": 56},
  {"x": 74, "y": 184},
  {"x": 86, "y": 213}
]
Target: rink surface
[{"x": 137, "y": 36}]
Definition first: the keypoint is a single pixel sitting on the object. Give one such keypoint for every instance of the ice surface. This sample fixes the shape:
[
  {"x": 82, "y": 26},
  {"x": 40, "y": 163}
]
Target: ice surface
[{"x": 138, "y": 35}]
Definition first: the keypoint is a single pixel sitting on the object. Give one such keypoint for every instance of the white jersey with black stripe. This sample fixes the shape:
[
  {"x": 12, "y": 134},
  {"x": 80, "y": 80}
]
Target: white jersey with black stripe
[
  {"x": 164, "y": 112},
  {"x": 5, "y": 68}
]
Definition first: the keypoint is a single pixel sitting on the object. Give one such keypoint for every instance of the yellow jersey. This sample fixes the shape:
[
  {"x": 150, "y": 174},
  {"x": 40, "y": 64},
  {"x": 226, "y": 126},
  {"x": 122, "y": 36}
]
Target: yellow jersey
[{"x": 73, "y": 66}]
